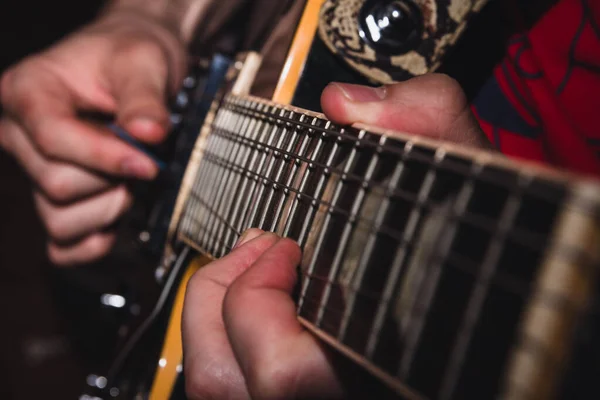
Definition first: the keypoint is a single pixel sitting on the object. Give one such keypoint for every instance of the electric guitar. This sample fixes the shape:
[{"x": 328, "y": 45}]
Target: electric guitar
[{"x": 444, "y": 272}]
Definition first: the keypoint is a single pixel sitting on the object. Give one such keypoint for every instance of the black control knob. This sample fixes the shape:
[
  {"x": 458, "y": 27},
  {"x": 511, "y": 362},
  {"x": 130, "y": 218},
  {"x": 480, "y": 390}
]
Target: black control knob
[{"x": 391, "y": 27}]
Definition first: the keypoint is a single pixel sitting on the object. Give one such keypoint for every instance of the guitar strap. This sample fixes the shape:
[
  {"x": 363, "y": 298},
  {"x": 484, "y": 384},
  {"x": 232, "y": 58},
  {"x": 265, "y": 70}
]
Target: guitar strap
[{"x": 268, "y": 27}]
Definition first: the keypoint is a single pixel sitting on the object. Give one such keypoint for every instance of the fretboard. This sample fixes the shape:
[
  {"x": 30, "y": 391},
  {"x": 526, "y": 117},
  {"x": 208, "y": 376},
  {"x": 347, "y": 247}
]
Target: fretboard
[{"x": 420, "y": 258}]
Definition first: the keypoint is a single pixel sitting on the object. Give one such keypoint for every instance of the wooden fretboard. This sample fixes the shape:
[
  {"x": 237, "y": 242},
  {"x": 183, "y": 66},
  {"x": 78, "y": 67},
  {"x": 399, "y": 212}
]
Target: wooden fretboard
[{"x": 425, "y": 262}]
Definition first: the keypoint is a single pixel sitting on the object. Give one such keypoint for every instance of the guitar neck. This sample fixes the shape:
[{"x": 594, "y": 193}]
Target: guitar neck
[{"x": 419, "y": 257}]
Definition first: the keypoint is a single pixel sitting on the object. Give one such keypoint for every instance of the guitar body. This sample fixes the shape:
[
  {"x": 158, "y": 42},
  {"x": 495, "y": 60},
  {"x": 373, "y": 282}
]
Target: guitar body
[{"x": 463, "y": 248}]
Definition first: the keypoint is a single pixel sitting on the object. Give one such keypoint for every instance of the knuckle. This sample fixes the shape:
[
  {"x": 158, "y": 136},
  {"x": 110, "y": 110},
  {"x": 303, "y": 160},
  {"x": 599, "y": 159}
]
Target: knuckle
[{"x": 141, "y": 50}]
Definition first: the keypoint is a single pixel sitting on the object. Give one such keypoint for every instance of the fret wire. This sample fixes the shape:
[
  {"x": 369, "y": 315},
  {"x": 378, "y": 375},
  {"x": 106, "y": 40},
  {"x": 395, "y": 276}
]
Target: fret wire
[
  {"x": 230, "y": 178},
  {"x": 275, "y": 160},
  {"x": 357, "y": 279},
  {"x": 260, "y": 181},
  {"x": 239, "y": 129},
  {"x": 248, "y": 181},
  {"x": 349, "y": 164},
  {"x": 306, "y": 139},
  {"x": 216, "y": 188},
  {"x": 395, "y": 268},
  {"x": 306, "y": 174},
  {"x": 479, "y": 295},
  {"x": 349, "y": 228},
  {"x": 240, "y": 185},
  {"x": 221, "y": 180},
  {"x": 255, "y": 148},
  {"x": 427, "y": 291},
  {"x": 293, "y": 169},
  {"x": 415, "y": 220},
  {"x": 320, "y": 187}
]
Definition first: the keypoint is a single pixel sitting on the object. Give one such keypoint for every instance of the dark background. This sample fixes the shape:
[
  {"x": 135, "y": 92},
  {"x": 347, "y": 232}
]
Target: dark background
[{"x": 52, "y": 330}]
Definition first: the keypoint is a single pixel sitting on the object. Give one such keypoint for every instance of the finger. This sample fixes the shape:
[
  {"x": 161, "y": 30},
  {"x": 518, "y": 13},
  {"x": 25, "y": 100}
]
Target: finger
[
  {"x": 59, "y": 182},
  {"x": 278, "y": 357},
  {"x": 46, "y": 109},
  {"x": 89, "y": 249},
  {"x": 211, "y": 369},
  {"x": 71, "y": 222},
  {"x": 138, "y": 77},
  {"x": 431, "y": 105}
]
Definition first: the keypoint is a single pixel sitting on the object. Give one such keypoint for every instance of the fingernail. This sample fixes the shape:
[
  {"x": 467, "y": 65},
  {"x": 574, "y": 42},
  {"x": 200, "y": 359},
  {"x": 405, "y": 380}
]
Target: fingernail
[
  {"x": 248, "y": 236},
  {"x": 139, "y": 168},
  {"x": 360, "y": 93},
  {"x": 143, "y": 125}
]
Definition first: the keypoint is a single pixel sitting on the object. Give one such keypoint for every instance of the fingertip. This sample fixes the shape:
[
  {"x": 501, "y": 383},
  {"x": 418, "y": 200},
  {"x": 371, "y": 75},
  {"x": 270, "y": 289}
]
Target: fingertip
[
  {"x": 333, "y": 103},
  {"x": 140, "y": 167},
  {"x": 152, "y": 130}
]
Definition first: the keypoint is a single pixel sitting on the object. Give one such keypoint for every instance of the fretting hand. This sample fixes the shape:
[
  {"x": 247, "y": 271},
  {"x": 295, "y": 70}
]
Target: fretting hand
[{"x": 241, "y": 336}]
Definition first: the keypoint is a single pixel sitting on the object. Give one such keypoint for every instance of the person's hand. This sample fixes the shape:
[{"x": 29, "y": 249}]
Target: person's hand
[
  {"x": 241, "y": 336},
  {"x": 432, "y": 105},
  {"x": 124, "y": 64}
]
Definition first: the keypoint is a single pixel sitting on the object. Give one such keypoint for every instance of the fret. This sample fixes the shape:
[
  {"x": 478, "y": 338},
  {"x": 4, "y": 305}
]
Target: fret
[
  {"x": 240, "y": 156},
  {"x": 297, "y": 173},
  {"x": 315, "y": 260},
  {"x": 395, "y": 267},
  {"x": 216, "y": 188},
  {"x": 247, "y": 179},
  {"x": 479, "y": 295},
  {"x": 347, "y": 232},
  {"x": 240, "y": 183},
  {"x": 257, "y": 163},
  {"x": 274, "y": 172},
  {"x": 309, "y": 192},
  {"x": 261, "y": 181},
  {"x": 315, "y": 195},
  {"x": 289, "y": 163},
  {"x": 416, "y": 318},
  {"x": 418, "y": 179},
  {"x": 203, "y": 191},
  {"x": 223, "y": 199}
]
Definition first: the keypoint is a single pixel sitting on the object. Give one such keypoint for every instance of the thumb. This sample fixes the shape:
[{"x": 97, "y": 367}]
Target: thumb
[
  {"x": 432, "y": 105},
  {"x": 139, "y": 78}
]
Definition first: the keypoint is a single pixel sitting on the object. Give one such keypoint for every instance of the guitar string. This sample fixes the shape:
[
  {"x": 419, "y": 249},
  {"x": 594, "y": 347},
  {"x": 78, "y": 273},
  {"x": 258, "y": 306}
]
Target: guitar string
[{"x": 227, "y": 164}]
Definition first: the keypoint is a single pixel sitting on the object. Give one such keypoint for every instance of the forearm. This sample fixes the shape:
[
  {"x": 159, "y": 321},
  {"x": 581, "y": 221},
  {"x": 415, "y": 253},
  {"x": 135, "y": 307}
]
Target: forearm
[{"x": 179, "y": 16}]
